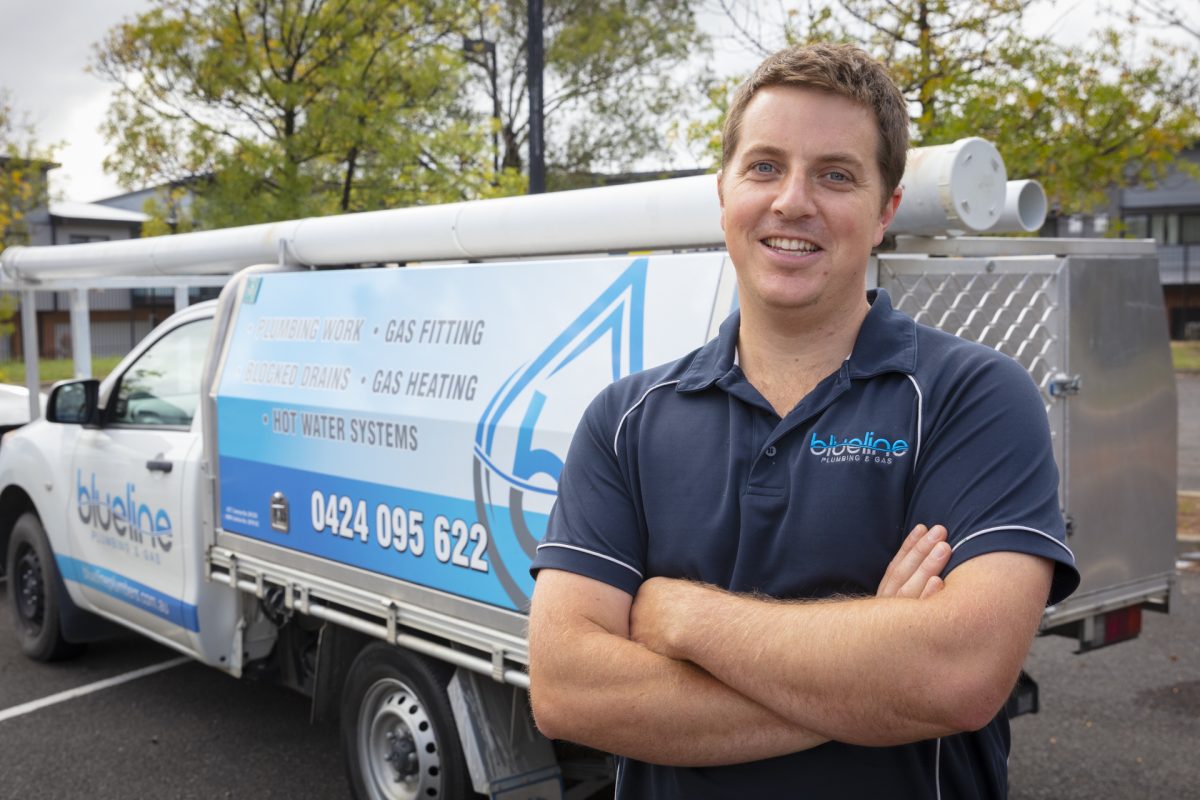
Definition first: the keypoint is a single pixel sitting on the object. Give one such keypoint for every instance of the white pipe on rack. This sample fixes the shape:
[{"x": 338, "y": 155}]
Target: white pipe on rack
[
  {"x": 948, "y": 189},
  {"x": 1025, "y": 208},
  {"x": 951, "y": 189}
]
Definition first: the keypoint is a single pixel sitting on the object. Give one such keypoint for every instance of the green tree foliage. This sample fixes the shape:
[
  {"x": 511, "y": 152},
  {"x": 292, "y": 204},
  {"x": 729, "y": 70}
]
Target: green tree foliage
[
  {"x": 1078, "y": 119},
  {"x": 23, "y": 165},
  {"x": 617, "y": 72},
  {"x": 275, "y": 109},
  {"x": 23, "y": 188}
]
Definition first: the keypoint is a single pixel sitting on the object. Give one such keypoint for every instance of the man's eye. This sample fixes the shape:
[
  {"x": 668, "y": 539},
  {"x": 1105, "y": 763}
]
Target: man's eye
[
  {"x": 763, "y": 168},
  {"x": 837, "y": 176}
]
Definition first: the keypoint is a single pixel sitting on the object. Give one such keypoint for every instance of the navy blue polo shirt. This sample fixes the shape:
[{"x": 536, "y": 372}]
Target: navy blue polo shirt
[{"x": 686, "y": 471}]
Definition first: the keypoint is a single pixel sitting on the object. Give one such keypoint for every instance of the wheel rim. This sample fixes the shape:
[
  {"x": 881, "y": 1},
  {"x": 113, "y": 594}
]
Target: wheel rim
[
  {"x": 30, "y": 589},
  {"x": 398, "y": 753}
]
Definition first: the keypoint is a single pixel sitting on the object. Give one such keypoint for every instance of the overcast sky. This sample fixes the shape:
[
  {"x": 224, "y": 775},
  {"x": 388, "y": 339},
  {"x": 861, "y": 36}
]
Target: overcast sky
[{"x": 45, "y": 46}]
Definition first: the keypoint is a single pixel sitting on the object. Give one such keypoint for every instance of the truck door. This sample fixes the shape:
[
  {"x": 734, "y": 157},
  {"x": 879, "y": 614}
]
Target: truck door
[{"x": 128, "y": 488}]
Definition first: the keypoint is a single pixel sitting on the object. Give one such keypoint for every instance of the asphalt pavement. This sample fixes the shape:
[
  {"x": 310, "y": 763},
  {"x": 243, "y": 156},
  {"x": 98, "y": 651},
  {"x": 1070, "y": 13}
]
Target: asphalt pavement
[
  {"x": 1120, "y": 722},
  {"x": 185, "y": 732}
]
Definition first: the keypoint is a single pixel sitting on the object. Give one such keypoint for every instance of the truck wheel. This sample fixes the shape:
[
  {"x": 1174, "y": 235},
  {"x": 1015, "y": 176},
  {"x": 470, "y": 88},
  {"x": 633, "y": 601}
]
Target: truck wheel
[
  {"x": 398, "y": 733},
  {"x": 33, "y": 592}
]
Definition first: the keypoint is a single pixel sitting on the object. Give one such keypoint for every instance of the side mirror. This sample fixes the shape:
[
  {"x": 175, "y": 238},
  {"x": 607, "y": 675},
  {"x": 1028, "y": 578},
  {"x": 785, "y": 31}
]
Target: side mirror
[{"x": 75, "y": 403}]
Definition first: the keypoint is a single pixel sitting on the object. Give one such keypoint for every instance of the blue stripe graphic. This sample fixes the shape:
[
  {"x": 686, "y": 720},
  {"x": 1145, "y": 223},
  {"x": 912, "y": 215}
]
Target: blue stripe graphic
[
  {"x": 136, "y": 594},
  {"x": 381, "y": 527}
]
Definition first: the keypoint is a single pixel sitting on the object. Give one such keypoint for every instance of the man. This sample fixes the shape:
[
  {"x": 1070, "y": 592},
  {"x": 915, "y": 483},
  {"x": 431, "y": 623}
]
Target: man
[{"x": 703, "y": 604}]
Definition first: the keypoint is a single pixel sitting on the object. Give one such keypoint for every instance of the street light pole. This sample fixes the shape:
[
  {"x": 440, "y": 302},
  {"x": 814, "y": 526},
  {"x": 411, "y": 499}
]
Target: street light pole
[{"x": 537, "y": 152}]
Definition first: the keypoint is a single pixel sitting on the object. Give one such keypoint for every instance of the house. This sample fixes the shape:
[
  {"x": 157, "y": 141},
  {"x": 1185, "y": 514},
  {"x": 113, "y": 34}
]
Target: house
[
  {"x": 119, "y": 318},
  {"x": 1169, "y": 213}
]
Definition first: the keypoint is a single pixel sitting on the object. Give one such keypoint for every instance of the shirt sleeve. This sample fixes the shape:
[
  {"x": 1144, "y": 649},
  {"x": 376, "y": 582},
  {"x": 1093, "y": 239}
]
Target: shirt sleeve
[
  {"x": 986, "y": 470},
  {"x": 594, "y": 528}
]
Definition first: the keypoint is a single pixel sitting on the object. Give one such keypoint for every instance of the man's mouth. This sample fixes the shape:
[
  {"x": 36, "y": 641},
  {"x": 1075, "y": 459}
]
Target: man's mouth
[{"x": 790, "y": 245}]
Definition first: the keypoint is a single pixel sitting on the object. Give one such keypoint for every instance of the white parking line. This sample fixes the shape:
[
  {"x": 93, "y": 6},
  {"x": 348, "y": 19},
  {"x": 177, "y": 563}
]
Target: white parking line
[{"x": 71, "y": 694}]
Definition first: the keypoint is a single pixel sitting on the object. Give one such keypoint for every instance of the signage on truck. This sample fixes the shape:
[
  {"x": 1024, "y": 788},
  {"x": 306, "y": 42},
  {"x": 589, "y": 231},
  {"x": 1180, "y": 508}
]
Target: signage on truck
[{"x": 415, "y": 420}]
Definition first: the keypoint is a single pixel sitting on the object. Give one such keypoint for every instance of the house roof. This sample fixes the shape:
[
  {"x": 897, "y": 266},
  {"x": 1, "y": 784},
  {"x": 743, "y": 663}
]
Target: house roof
[{"x": 96, "y": 212}]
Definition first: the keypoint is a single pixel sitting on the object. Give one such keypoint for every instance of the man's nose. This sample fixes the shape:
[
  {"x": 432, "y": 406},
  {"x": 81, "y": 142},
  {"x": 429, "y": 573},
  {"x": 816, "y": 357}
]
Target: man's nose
[{"x": 795, "y": 197}]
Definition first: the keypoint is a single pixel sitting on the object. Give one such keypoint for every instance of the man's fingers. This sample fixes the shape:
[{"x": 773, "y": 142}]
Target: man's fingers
[
  {"x": 932, "y": 587},
  {"x": 923, "y": 555},
  {"x": 895, "y": 575},
  {"x": 930, "y": 567}
]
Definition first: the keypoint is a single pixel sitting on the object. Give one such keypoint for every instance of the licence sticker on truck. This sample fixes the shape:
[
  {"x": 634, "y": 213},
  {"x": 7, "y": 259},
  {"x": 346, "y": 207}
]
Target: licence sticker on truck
[{"x": 413, "y": 422}]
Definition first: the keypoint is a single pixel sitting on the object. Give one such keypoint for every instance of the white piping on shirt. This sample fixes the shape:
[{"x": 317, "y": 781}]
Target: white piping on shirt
[
  {"x": 966, "y": 539},
  {"x": 621, "y": 422},
  {"x": 937, "y": 769},
  {"x": 591, "y": 553},
  {"x": 920, "y": 414}
]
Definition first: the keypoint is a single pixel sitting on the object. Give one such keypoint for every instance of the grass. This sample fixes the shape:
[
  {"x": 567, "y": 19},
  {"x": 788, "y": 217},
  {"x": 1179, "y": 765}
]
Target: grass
[
  {"x": 57, "y": 369},
  {"x": 1186, "y": 356},
  {"x": 1188, "y": 521}
]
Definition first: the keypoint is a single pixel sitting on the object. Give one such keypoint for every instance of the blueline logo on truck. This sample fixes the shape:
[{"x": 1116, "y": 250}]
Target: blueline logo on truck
[
  {"x": 122, "y": 514},
  {"x": 613, "y": 321}
]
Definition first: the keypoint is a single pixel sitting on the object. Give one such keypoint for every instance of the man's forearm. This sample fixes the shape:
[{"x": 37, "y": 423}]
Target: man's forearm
[
  {"x": 868, "y": 671},
  {"x": 600, "y": 689}
]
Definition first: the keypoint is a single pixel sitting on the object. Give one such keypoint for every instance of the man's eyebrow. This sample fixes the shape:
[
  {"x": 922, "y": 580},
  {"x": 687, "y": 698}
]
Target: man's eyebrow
[
  {"x": 771, "y": 151},
  {"x": 764, "y": 150}
]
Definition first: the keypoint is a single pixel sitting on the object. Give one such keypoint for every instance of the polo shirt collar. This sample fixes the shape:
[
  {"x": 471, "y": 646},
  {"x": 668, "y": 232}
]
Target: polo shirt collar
[{"x": 887, "y": 342}]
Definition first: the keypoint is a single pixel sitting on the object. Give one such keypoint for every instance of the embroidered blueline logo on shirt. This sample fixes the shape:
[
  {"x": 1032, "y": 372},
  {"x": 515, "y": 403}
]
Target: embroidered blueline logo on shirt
[
  {"x": 602, "y": 344},
  {"x": 867, "y": 448}
]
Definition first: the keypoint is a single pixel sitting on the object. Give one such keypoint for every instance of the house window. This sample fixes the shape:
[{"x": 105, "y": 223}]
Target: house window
[
  {"x": 83, "y": 238},
  {"x": 1189, "y": 229},
  {"x": 152, "y": 297},
  {"x": 1137, "y": 226},
  {"x": 1100, "y": 223},
  {"x": 1165, "y": 228},
  {"x": 1075, "y": 225}
]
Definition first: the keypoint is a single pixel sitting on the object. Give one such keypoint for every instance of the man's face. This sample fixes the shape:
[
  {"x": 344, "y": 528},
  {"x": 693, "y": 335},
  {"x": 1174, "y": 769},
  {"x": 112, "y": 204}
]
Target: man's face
[{"x": 801, "y": 200}]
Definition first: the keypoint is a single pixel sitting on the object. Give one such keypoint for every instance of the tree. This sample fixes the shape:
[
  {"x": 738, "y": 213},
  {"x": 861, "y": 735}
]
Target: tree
[
  {"x": 274, "y": 109},
  {"x": 1168, "y": 14},
  {"x": 23, "y": 166},
  {"x": 617, "y": 73},
  {"x": 1078, "y": 119}
]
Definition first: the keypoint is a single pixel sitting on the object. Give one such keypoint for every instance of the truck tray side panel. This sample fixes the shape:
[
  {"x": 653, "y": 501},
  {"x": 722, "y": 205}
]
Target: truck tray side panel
[{"x": 410, "y": 424}]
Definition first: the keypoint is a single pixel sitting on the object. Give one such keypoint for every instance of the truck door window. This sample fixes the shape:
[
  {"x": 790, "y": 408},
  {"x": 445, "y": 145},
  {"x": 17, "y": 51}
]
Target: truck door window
[{"x": 163, "y": 386}]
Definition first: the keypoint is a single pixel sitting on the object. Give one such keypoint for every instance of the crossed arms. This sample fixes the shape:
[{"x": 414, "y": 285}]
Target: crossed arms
[{"x": 690, "y": 675}]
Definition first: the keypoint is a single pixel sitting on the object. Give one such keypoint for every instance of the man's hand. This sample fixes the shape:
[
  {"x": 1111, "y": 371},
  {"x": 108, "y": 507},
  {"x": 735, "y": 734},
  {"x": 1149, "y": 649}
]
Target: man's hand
[
  {"x": 916, "y": 570},
  {"x": 663, "y": 605}
]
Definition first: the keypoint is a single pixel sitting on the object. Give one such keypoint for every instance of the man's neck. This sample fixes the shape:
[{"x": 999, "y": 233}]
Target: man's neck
[{"x": 785, "y": 355}]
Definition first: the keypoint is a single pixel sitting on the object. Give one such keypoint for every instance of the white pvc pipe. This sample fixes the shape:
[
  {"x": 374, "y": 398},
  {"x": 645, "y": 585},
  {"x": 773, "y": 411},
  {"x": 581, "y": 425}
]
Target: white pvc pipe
[
  {"x": 1025, "y": 208},
  {"x": 29, "y": 346},
  {"x": 950, "y": 188},
  {"x": 81, "y": 334}
]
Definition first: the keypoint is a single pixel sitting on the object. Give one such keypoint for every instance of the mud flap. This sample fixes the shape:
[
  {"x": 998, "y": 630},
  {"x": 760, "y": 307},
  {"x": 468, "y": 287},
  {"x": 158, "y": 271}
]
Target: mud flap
[{"x": 508, "y": 758}]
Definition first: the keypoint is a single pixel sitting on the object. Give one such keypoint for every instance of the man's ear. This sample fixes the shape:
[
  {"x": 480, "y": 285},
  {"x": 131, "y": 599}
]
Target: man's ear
[
  {"x": 721, "y": 196},
  {"x": 888, "y": 213}
]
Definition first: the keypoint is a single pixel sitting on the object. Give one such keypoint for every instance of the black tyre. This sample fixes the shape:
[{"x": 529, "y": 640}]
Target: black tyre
[
  {"x": 398, "y": 733},
  {"x": 33, "y": 583}
]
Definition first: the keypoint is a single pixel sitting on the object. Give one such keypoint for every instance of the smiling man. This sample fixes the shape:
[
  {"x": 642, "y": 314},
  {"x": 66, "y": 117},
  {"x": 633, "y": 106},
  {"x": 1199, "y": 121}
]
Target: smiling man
[{"x": 726, "y": 597}]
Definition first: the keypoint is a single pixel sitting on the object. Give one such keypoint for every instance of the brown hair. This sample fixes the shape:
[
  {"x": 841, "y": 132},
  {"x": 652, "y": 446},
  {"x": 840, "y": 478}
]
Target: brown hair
[{"x": 842, "y": 69}]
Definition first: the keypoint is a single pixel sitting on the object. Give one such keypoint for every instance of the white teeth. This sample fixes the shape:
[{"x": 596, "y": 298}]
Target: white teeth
[{"x": 791, "y": 244}]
